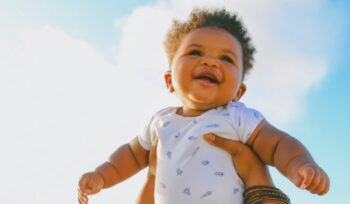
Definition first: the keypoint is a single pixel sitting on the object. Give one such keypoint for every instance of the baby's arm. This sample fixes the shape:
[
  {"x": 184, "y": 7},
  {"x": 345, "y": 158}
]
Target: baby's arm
[
  {"x": 290, "y": 157},
  {"x": 126, "y": 161}
]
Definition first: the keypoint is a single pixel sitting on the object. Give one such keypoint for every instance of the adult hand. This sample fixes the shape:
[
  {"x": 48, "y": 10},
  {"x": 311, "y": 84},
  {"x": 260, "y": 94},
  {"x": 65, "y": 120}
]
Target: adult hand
[{"x": 248, "y": 166}]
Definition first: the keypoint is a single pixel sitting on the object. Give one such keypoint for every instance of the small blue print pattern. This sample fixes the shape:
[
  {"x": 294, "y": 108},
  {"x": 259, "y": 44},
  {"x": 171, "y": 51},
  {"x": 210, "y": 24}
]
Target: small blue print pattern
[
  {"x": 179, "y": 172},
  {"x": 219, "y": 173},
  {"x": 205, "y": 162},
  {"x": 256, "y": 114},
  {"x": 208, "y": 193},
  {"x": 235, "y": 191},
  {"x": 166, "y": 123},
  {"x": 213, "y": 126},
  {"x": 163, "y": 185},
  {"x": 187, "y": 191},
  {"x": 192, "y": 138},
  {"x": 177, "y": 135},
  {"x": 195, "y": 151},
  {"x": 226, "y": 114},
  {"x": 168, "y": 154}
]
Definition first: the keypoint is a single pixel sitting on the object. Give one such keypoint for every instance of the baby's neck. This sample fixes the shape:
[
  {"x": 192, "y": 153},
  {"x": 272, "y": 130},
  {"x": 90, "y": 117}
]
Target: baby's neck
[
  {"x": 189, "y": 112},
  {"x": 193, "y": 112}
]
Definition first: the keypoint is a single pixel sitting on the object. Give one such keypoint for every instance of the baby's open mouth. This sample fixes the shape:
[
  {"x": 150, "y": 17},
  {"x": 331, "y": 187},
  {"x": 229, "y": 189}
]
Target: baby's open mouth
[{"x": 208, "y": 77}]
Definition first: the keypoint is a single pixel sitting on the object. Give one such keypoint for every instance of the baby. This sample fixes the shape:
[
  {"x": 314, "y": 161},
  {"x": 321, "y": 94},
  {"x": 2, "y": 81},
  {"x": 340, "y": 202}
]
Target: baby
[{"x": 209, "y": 56}]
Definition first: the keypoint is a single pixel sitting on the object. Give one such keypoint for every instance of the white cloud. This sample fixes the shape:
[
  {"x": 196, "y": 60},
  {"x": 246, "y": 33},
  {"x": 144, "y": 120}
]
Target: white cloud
[
  {"x": 63, "y": 110},
  {"x": 59, "y": 103}
]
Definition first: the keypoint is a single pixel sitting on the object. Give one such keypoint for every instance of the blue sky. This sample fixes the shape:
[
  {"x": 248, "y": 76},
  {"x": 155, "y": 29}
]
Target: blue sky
[{"x": 64, "y": 67}]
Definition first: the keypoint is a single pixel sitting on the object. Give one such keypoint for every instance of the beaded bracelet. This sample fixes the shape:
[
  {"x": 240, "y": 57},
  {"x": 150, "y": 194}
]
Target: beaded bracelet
[{"x": 261, "y": 194}]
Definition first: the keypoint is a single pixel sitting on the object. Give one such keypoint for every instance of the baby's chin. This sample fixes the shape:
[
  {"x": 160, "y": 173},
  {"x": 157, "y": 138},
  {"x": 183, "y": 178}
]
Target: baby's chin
[
  {"x": 208, "y": 99},
  {"x": 204, "y": 105}
]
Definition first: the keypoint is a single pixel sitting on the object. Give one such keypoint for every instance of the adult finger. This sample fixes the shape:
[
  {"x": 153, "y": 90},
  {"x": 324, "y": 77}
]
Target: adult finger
[{"x": 233, "y": 147}]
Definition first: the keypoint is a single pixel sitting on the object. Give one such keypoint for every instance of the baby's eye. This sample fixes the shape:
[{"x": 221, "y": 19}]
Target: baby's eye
[
  {"x": 195, "y": 53},
  {"x": 227, "y": 59}
]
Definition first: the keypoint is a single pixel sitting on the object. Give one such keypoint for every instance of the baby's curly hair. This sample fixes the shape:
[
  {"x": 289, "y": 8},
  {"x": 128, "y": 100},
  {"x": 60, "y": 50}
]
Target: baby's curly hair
[{"x": 221, "y": 18}]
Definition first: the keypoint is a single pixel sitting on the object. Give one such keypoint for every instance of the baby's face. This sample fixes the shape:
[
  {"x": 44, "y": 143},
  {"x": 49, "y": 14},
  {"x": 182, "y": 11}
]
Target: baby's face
[{"x": 206, "y": 70}]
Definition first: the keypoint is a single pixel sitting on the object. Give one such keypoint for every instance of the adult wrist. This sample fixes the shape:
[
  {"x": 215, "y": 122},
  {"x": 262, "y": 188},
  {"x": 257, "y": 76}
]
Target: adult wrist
[{"x": 265, "y": 194}]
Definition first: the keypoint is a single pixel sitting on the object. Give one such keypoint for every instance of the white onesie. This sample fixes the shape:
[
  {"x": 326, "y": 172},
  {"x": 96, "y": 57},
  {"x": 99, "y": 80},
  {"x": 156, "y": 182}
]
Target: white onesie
[{"x": 191, "y": 171}]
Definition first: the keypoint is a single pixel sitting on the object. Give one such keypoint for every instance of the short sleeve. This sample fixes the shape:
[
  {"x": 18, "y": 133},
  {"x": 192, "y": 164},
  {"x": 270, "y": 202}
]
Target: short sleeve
[
  {"x": 245, "y": 120},
  {"x": 145, "y": 139}
]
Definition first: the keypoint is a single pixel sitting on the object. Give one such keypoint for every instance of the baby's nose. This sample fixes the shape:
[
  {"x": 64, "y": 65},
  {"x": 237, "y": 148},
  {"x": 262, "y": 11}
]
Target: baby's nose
[{"x": 210, "y": 61}]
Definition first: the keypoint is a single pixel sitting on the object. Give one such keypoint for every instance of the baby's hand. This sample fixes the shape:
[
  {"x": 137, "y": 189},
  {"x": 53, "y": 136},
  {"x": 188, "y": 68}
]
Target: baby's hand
[
  {"x": 89, "y": 183},
  {"x": 311, "y": 177}
]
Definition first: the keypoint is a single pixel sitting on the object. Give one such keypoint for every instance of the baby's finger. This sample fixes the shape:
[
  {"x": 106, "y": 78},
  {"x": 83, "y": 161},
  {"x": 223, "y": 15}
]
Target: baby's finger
[
  {"x": 324, "y": 185},
  {"x": 308, "y": 175},
  {"x": 93, "y": 186},
  {"x": 82, "y": 200},
  {"x": 82, "y": 197},
  {"x": 326, "y": 189},
  {"x": 233, "y": 147},
  {"x": 315, "y": 184},
  {"x": 84, "y": 180},
  {"x": 320, "y": 188}
]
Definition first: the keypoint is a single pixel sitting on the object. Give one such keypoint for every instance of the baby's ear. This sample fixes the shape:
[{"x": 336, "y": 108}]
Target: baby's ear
[
  {"x": 240, "y": 92},
  {"x": 167, "y": 78}
]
